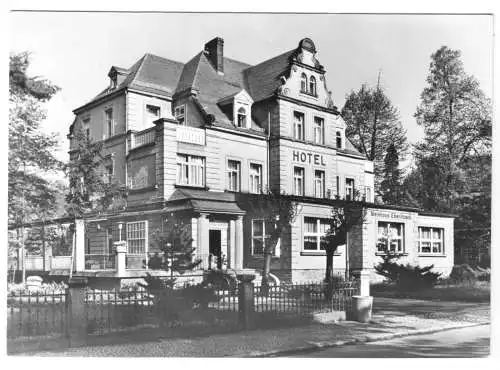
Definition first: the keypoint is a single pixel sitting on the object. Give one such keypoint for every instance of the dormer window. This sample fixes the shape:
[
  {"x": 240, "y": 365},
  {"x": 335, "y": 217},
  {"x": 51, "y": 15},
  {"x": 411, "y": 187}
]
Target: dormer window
[
  {"x": 312, "y": 86},
  {"x": 113, "y": 82},
  {"x": 242, "y": 118},
  {"x": 180, "y": 114},
  {"x": 303, "y": 83}
]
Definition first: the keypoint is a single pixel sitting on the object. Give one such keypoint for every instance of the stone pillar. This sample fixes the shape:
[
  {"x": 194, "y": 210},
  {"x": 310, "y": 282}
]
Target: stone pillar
[
  {"x": 362, "y": 303},
  {"x": 47, "y": 255},
  {"x": 120, "y": 258},
  {"x": 203, "y": 236},
  {"x": 231, "y": 248},
  {"x": 238, "y": 250},
  {"x": 245, "y": 300},
  {"x": 79, "y": 255},
  {"x": 75, "y": 305}
]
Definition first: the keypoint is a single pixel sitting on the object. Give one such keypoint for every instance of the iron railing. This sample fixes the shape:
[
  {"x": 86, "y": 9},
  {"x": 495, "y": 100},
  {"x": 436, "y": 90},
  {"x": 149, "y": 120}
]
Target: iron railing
[
  {"x": 34, "y": 314},
  {"x": 99, "y": 262}
]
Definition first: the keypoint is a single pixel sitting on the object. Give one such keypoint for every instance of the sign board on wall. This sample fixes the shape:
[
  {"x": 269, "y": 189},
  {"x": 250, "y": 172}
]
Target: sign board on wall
[
  {"x": 391, "y": 215},
  {"x": 308, "y": 157}
]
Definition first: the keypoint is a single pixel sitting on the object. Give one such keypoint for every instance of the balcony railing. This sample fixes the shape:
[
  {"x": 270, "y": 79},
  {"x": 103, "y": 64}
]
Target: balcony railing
[
  {"x": 141, "y": 138},
  {"x": 191, "y": 135},
  {"x": 99, "y": 262}
]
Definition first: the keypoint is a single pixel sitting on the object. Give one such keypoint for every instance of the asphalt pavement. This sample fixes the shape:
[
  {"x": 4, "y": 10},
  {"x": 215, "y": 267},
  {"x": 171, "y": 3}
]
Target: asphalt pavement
[{"x": 465, "y": 342}]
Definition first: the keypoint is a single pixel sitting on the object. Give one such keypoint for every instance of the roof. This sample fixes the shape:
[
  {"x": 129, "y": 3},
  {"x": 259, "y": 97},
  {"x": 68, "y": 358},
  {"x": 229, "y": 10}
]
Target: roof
[
  {"x": 264, "y": 78},
  {"x": 203, "y": 201},
  {"x": 151, "y": 73}
]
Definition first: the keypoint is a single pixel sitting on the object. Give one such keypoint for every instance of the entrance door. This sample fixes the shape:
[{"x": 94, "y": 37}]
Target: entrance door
[{"x": 215, "y": 249}]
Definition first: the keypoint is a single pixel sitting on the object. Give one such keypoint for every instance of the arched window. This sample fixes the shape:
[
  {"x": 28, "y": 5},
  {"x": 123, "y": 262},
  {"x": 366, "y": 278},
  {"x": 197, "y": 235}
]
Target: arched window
[
  {"x": 303, "y": 83},
  {"x": 242, "y": 117},
  {"x": 339, "y": 140},
  {"x": 312, "y": 86}
]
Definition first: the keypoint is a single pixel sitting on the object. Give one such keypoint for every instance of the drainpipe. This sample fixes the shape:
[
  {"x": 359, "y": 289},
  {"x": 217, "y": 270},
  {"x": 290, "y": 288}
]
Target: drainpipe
[{"x": 268, "y": 149}]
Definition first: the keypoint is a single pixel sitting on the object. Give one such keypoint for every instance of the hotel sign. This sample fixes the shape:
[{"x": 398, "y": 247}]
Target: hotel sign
[
  {"x": 391, "y": 215},
  {"x": 191, "y": 135},
  {"x": 308, "y": 157}
]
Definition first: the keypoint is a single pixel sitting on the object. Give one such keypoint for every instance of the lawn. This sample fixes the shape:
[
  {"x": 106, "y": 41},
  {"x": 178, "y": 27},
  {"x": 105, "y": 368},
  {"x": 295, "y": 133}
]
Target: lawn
[{"x": 478, "y": 291}]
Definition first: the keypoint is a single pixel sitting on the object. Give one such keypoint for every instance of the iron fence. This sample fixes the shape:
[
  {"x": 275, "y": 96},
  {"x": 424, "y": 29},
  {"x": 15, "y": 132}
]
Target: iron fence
[{"x": 35, "y": 314}]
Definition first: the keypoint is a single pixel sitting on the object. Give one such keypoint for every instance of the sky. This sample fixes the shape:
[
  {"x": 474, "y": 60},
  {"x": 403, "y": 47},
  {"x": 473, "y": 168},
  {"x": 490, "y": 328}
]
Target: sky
[{"x": 76, "y": 50}]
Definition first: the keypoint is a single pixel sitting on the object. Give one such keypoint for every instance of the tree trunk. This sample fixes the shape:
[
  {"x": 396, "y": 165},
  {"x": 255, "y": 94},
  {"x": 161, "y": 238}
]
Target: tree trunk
[
  {"x": 265, "y": 272},
  {"x": 329, "y": 265}
]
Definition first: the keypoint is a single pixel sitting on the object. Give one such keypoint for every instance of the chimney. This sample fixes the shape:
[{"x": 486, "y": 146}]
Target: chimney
[{"x": 214, "y": 49}]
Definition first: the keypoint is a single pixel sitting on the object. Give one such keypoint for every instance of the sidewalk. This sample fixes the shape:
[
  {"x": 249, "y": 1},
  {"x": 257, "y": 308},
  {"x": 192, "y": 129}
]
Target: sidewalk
[{"x": 392, "y": 318}]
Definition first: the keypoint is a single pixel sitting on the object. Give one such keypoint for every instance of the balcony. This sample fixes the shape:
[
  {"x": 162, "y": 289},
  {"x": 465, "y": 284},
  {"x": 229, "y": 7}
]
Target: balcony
[
  {"x": 141, "y": 138},
  {"x": 99, "y": 262}
]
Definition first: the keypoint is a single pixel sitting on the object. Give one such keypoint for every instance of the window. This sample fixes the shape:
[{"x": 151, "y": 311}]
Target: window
[
  {"x": 312, "y": 86},
  {"x": 319, "y": 129},
  {"x": 430, "y": 240},
  {"x": 137, "y": 237},
  {"x": 190, "y": 170},
  {"x": 255, "y": 178},
  {"x": 242, "y": 118},
  {"x": 349, "y": 189},
  {"x": 319, "y": 184},
  {"x": 368, "y": 194},
  {"x": 109, "y": 171},
  {"x": 260, "y": 234},
  {"x": 315, "y": 230},
  {"x": 339, "y": 140},
  {"x": 298, "y": 181},
  {"x": 303, "y": 83},
  {"x": 86, "y": 128},
  {"x": 390, "y": 237},
  {"x": 108, "y": 114},
  {"x": 233, "y": 175},
  {"x": 298, "y": 126},
  {"x": 152, "y": 114},
  {"x": 180, "y": 114}
]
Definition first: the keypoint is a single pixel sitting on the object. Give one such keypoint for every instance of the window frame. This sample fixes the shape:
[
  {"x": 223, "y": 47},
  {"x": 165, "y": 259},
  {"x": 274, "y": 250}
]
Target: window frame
[
  {"x": 190, "y": 167},
  {"x": 302, "y": 178},
  {"x": 321, "y": 120},
  {"x": 338, "y": 137},
  {"x": 322, "y": 183},
  {"x": 86, "y": 127},
  {"x": 182, "y": 115},
  {"x": 352, "y": 188},
  {"x": 303, "y": 83},
  {"x": 318, "y": 234},
  {"x": 313, "y": 86},
  {"x": 145, "y": 230},
  {"x": 431, "y": 241},
  {"x": 239, "y": 113},
  {"x": 110, "y": 122},
  {"x": 389, "y": 238},
  {"x": 252, "y": 176},
  {"x": 236, "y": 172},
  {"x": 299, "y": 124}
]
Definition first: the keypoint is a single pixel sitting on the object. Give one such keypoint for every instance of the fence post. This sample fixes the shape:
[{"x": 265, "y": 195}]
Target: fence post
[
  {"x": 245, "y": 300},
  {"x": 75, "y": 305},
  {"x": 121, "y": 258},
  {"x": 362, "y": 303}
]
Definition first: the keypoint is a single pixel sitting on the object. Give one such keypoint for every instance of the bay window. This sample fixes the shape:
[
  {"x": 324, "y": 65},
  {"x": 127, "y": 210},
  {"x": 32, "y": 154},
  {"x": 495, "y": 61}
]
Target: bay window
[
  {"x": 190, "y": 170},
  {"x": 390, "y": 237}
]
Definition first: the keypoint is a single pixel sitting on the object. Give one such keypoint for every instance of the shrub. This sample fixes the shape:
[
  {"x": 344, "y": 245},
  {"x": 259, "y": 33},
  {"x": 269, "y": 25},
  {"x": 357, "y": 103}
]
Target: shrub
[
  {"x": 407, "y": 277},
  {"x": 220, "y": 280}
]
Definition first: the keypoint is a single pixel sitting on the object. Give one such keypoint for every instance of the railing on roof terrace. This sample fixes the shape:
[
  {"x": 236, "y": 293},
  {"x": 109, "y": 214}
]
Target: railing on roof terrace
[{"x": 141, "y": 138}]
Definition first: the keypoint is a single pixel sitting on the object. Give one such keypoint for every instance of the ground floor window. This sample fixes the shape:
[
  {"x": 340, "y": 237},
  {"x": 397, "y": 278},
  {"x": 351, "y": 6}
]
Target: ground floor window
[
  {"x": 390, "y": 237},
  {"x": 260, "y": 236},
  {"x": 314, "y": 232},
  {"x": 137, "y": 235},
  {"x": 430, "y": 240}
]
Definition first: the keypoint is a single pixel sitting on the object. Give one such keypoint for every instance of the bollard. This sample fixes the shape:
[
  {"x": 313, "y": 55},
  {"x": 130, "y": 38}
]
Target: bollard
[
  {"x": 245, "y": 300},
  {"x": 361, "y": 309},
  {"x": 75, "y": 306}
]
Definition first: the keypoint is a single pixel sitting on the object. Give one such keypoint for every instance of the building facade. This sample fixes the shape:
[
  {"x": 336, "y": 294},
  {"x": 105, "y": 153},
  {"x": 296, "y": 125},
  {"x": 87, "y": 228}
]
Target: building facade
[{"x": 200, "y": 141}]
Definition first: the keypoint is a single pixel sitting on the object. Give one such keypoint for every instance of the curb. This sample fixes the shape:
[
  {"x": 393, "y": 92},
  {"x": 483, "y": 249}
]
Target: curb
[{"x": 324, "y": 345}]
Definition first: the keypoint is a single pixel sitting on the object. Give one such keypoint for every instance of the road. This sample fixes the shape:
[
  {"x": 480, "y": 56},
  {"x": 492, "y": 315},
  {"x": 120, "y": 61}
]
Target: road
[{"x": 467, "y": 342}]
